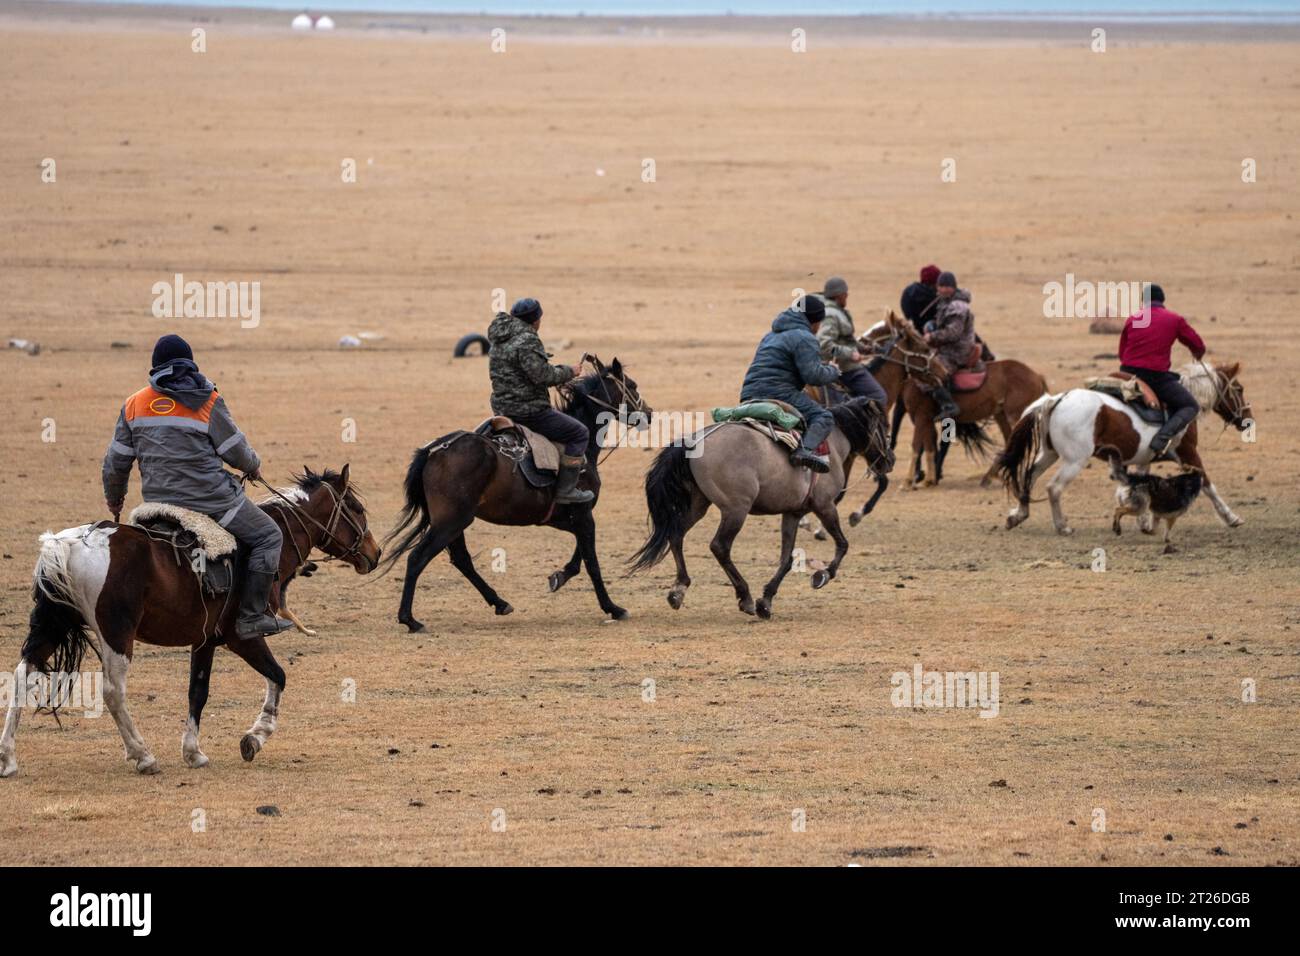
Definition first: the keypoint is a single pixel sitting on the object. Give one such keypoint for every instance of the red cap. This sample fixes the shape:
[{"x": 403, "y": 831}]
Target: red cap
[{"x": 930, "y": 274}]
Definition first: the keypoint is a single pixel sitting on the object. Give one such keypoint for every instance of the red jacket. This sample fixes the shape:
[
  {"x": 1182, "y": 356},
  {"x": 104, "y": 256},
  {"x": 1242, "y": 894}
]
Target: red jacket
[{"x": 1146, "y": 344}]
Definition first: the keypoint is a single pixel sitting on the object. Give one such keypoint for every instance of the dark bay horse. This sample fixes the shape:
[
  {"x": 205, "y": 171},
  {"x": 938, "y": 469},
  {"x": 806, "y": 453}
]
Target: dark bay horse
[
  {"x": 462, "y": 476},
  {"x": 1008, "y": 389},
  {"x": 127, "y": 584},
  {"x": 744, "y": 472}
]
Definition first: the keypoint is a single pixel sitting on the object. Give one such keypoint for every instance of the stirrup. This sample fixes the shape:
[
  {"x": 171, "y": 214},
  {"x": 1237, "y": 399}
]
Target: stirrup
[
  {"x": 802, "y": 458},
  {"x": 264, "y": 625}
]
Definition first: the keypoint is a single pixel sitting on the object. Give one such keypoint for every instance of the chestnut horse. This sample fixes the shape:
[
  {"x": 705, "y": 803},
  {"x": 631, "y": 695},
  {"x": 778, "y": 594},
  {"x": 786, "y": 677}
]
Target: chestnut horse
[
  {"x": 1079, "y": 424},
  {"x": 127, "y": 584},
  {"x": 1008, "y": 389},
  {"x": 462, "y": 476}
]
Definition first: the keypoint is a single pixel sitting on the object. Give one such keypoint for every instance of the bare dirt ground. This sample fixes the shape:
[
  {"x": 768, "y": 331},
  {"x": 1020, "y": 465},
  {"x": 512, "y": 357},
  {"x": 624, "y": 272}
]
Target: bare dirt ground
[{"x": 1121, "y": 691}]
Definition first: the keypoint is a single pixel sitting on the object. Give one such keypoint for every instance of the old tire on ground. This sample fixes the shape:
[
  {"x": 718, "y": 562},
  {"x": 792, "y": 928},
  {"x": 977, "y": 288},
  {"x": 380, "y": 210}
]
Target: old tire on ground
[{"x": 462, "y": 347}]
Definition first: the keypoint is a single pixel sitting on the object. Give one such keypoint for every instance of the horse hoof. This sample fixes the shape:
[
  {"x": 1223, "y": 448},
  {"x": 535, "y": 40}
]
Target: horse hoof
[
  {"x": 820, "y": 578},
  {"x": 764, "y": 610},
  {"x": 248, "y": 747},
  {"x": 556, "y": 581},
  {"x": 1236, "y": 522},
  {"x": 412, "y": 625},
  {"x": 147, "y": 765},
  {"x": 8, "y": 766},
  {"x": 196, "y": 759},
  {"x": 1014, "y": 521},
  {"x": 855, "y": 519},
  {"x": 617, "y": 613},
  {"x": 746, "y": 607},
  {"x": 820, "y": 534},
  {"x": 675, "y": 599},
  {"x": 1065, "y": 531},
  {"x": 502, "y": 609},
  {"x": 1169, "y": 549}
]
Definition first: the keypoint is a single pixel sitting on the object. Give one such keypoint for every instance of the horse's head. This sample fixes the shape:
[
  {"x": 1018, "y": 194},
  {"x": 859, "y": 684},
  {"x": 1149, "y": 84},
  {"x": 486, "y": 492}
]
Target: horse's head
[
  {"x": 337, "y": 518},
  {"x": 1230, "y": 398},
  {"x": 613, "y": 390},
  {"x": 897, "y": 340},
  {"x": 866, "y": 426}
]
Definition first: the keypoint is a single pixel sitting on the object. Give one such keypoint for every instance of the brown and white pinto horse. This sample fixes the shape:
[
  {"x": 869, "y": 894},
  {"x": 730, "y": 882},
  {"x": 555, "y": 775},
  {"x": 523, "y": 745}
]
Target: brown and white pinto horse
[
  {"x": 1077, "y": 425},
  {"x": 127, "y": 585}
]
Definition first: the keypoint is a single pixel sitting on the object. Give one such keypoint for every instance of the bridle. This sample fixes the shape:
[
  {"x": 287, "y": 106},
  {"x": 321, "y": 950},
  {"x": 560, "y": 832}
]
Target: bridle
[
  {"x": 914, "y": 363},
  {"x": 628, "y": 401},
  {"x": 1226, "y": 396},
  {"x": 337, "y": 513}
]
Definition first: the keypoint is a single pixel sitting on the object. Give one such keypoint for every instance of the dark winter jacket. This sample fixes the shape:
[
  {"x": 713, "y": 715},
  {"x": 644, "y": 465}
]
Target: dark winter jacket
[
  {"x": 520, "y": 372},
  {"x": 788, "y": 358},
  {"x": 918, "y": 304}
]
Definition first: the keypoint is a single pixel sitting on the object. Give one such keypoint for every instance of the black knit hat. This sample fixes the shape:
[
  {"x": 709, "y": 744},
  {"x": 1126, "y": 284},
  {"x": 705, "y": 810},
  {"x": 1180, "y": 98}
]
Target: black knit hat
[
  {"x": 169, "y": 348},
  {"x": 1155, "y": 293},
  {"x": 947, "y": 278},
  {"x": 530, "y": 310},
  {"x": 812, "y": 308}
]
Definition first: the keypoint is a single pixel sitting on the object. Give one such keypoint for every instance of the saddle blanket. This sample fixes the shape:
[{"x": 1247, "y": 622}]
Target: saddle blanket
[
  {"x": 215, "y": 540},
  {"x": 546, "y": 453}
]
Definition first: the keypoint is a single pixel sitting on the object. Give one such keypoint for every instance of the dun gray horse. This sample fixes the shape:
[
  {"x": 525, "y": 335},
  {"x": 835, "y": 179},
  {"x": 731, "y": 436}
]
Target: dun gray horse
[{"x": 744, "y": 472}]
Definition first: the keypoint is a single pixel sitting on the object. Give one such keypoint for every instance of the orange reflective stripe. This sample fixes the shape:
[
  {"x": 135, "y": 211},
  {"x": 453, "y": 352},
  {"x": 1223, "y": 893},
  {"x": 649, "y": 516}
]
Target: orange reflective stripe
[{"x": 151, "y": 403}]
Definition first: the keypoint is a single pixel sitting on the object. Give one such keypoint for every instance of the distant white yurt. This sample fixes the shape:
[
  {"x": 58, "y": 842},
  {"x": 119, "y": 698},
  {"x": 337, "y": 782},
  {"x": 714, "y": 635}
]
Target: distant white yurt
[
  {"x": 324, "y": 23},
  {"x": 301, "y": 22}
]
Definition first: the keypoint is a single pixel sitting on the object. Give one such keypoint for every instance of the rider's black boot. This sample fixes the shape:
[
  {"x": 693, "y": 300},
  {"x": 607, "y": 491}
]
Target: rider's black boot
[
  {"x": 807, "y": 458},
  {"x": 254, "y": 618},
  {"x": 947, "y": 407},
  {"x": 566, "y": 485}
]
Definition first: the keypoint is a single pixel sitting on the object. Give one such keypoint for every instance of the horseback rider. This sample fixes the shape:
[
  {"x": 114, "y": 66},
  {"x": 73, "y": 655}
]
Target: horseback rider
[
  {"x": 179, "y": 430},
  {"x": 839, "y": 343},
  {"x": 787, "y": 360},
  {"x": 521, "y": 375},
  {"x": 919, "y": 298},
  {"x": 1145, "y": 348},
  {"x": 951, "y": 333}
]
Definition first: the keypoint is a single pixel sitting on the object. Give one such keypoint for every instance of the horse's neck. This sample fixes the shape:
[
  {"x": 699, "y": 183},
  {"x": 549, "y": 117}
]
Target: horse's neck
[
  {"x": 890, "y": 375},
  {"x": 587, "y": 413}
]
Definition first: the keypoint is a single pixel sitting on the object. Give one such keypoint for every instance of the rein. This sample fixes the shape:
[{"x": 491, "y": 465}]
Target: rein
[
  {"x": 327, "y": 528},
  {"x": 635, "y": 404}
]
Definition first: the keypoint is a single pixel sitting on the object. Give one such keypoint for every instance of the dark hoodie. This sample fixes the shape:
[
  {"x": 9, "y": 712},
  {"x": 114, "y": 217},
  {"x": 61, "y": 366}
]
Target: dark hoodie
[{"x": 787, "y": 359}]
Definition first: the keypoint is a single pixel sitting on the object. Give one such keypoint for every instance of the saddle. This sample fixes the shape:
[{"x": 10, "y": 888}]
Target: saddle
[
  {"x": 1133, "y": 392},
  {"x": 537, "y": 457},
  {"x": 780, "y": 421},
  {"x": 972, "y": 374},
  {"x": 209, "y": 550}
]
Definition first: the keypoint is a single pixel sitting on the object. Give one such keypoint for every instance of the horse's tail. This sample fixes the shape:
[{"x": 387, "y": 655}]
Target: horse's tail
[
  {"x": 413, "y": 520},
  {"x": 1015, "y": 465},
  {"x": 57, "y": 631},
  {"x": 975, "y": 440},
  {"x": 668, "y": 487}
]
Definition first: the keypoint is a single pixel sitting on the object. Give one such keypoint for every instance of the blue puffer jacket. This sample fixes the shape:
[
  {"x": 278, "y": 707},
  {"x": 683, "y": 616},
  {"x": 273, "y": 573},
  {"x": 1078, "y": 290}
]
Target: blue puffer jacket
[{"x": 788, "y": 358}]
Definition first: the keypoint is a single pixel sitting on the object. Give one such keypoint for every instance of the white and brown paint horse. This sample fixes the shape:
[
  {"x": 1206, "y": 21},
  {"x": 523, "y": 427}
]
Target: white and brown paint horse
[
  {"x": 1080, "y": 424},
  {"x": 125, "y": 585}
]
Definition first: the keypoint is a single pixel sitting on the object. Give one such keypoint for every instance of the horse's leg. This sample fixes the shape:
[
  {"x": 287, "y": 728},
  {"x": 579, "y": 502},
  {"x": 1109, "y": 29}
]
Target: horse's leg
[
  {"x": 560, "y": 578},
  {"x": 1046, "y": 459},
  {"x": 586, "y": 530},
  {"x": 31, "y": 663},
  {"x": 699, "y": 505},
  {"x": 200, "y": 675},
  {"x": 882, "y": 482},
  {"x": 460, "y": 557},
  {"x": 1169, "y": 531},
  {"x": 899, "y": 411},
  {"x": 434, "y": 540},
  {"x": 1069, "y": 470},
  {"x": 831, "y": 520},
  {"x": 916, "y": 474},
  {"x": 1190, "y": 456},
  {"x": 115, "y": 669},
  {"x": 258, "y": 656},
  {"x": 728, "y": 528},
  {"x": 789, "y": 529},
  {"x": 940, "y": 455}
]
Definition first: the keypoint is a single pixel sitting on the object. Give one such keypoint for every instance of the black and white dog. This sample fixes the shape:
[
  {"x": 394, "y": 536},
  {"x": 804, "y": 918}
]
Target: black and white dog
[{"x": 1151, "y": 496}]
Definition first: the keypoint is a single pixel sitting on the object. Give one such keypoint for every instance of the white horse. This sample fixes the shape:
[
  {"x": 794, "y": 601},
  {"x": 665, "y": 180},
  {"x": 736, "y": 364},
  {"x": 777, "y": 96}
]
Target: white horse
[{"x": 1071, "y": 427}]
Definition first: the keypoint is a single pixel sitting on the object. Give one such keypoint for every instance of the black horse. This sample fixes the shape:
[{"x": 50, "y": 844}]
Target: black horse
[{"x": 466, "y": 475}]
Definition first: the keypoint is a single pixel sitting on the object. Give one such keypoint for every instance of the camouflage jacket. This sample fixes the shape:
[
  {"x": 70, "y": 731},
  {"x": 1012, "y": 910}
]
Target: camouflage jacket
[
  {"x": 836, "y": 337},
  {"x": 520, "y": 372},
  {"x": 952, "y": 330}
]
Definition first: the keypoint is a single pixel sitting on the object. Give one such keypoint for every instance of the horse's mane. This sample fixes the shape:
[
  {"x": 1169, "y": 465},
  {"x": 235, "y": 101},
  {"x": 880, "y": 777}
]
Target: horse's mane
[
  {"x": 578, "y": 391},
  {"x": 308, "y": 481},
  {"x": 1202, "y": 380},
  {"x": 856, "y": 419}
]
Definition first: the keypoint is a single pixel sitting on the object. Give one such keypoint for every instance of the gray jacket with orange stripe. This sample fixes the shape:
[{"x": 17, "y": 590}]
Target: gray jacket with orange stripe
[{"x": 180, "y": 435}]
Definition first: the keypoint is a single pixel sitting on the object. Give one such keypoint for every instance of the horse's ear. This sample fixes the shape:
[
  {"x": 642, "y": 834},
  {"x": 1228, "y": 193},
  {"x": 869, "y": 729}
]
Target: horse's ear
[
  {"x": 306, "y": 471},
  {"x": 1232, "y": 370},
  {"x": 616, "y": 366},
  {"x": 343, "y": 476}
]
